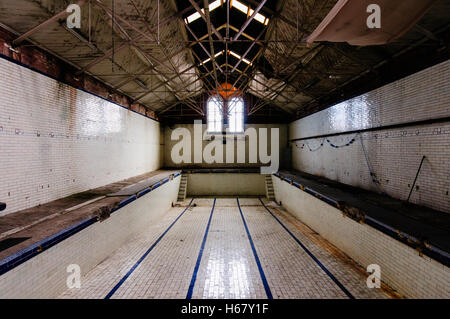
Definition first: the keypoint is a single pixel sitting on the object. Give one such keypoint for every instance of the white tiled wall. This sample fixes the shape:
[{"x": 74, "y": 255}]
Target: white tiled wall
[
  {"x": 394, "y": 154},
  {"x": 45, "y": 275},
  {"x": 56, "y": 140},
  {"x": 401, "y": 266},
  {"x": 223, "y": 184},
  {"x": 169, "y": 144}
]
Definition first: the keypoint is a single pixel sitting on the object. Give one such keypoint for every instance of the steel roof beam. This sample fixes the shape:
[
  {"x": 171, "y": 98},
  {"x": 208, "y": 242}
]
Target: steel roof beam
[
  {"x": 205, "y": 17},
  {"x": 247, "y": 22},
  {"x": 146, "y": 55},
  {"x": 44, "y": 24},
  {"x": 248, "y": 50},
  {"x": 134, "y": 40}
]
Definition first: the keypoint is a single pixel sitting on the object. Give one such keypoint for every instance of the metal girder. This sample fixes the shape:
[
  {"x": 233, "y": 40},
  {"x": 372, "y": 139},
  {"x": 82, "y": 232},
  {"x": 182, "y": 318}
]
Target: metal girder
[
  {"x": 162, "y": 101},
  {"x": 114, "y": 21},
  {"x": 145, "y": 54},
  {"x": 167, "y": 108},
  {"x": 246, "y": 68},
  {"x": 146, "y": 35},
  {"x": 211, "y": 86},
  {"x": 375, "y": 67},
  {"x": 278, "y": 15},
  {"x": 264, "y": 47},
  {"x": 247, "y": 22},
  {"x": 202, "y": 46},
  {"x": 248, "y": 50},
  {"x": 167, "y": 58},
  {"x": 295, "y": 63},
  {"x": 211, "y": 45},
  {"x": 263, "y": 84},
  {"x": 210, "y": 55},
  {"x": 203, "y": 76},
  {"x": 205, "y": 17},
  {"x": 60, "y": 15},
  {"x": 278, "y": 92},
  {"x": 134, "y": 40},
  {"x": 288, "y": 79},
  {"x": 227, "y": 32},
  {"x": 163, "y": 83}
]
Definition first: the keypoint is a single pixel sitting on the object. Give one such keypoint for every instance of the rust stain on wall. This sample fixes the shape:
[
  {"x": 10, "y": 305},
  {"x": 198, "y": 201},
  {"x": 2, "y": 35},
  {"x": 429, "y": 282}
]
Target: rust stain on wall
[{"x": 42, "y": 61}]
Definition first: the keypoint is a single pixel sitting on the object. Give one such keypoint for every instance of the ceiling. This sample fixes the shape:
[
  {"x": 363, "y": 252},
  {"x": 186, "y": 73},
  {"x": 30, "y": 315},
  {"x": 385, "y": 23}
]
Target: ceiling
[{"x": 157, "y": 54}]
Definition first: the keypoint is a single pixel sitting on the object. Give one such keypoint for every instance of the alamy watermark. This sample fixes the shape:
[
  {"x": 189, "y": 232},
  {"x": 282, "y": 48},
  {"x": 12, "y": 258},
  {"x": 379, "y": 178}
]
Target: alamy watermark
[
  {"x": 374, "y": 279},
  {"x": 74, "y": 279},
  {"x": 74, "y": 19},
  {"x": 374, "y": 19},
  {"x": 252, "y": 142}
]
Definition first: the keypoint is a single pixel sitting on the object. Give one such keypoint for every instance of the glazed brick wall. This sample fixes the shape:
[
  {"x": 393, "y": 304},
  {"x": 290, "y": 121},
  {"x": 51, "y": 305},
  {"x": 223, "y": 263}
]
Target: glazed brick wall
[
  {"x": 169, "y": 144},
  {"x": 45, "y": 275},
  {"x": 394, "y": 154},
  {"x": 402, "y": 268},
  {"x": 41, "y": 61},
  {"x": 56, "y": 140}
]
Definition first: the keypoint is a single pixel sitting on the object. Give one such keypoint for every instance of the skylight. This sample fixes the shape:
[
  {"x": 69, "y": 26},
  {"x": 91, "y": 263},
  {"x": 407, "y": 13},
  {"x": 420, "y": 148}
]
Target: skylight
[
  {"x": 238, "y": 56},
  {"x": 236, "y": 4},
  {"x": 209, "y": 59},
  {"x": 196, "y": 15},
  {"x": 248, "y": 11}
]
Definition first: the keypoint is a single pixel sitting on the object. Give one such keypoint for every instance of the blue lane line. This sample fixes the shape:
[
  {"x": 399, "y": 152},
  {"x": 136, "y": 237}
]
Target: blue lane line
[
  {"x": 109, "y": 295},
  {"x": 199, "y": 258},
  {"x": 258, "y": 263},
  {"x": 341, "y": 286}
]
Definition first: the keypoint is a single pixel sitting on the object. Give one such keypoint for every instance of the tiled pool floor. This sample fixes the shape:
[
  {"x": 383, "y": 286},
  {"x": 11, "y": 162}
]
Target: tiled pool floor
[{"x": 226, "y": 248}]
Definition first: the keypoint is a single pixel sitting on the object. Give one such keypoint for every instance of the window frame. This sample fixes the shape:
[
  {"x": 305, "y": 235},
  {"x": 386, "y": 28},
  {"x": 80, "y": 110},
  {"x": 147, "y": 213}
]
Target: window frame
[
  {"x": 229, "y": 114},
  {"x": 221, "y": 103}
]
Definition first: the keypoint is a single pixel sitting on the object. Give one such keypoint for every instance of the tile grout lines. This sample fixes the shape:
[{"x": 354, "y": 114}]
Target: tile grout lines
[
  {"x": 117, "y": 286},
  {"x": 199, "y": 258},
  {"x": 258, "y": 263},
  {"x": 337, "y": 282}
]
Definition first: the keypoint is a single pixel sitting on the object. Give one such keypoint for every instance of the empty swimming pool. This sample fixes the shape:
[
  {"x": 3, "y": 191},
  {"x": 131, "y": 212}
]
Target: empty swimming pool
[{"x": 226, "y": 248}]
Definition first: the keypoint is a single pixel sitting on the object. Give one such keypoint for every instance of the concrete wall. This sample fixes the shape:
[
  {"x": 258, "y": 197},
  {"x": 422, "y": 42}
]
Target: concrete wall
[
  {"x": 45, "y": 275},
  {"x": 168, "y": 143},
  {"x": 401, "y": 266},
  {"x": 395, "y": 153},
  {"x": 56, "y": 140},
  {"x": 210, "y": 184}
]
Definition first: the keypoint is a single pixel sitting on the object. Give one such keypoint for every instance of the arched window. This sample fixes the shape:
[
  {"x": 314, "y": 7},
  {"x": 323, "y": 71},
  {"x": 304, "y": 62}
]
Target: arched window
[
  {"x": 236, "y": 115},
  {"x": 214, "y": 109}
]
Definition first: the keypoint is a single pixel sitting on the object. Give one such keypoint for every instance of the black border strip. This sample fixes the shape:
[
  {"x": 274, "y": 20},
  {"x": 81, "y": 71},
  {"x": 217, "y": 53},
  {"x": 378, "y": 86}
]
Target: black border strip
[
  {"x": 377, "y": 128},
  {"x": 117, "y": 286},
  {"x": 431, "y": 251},
  {"x": 200, "y": 254},
  {"x": 317, "y": 261},
  {"x": 258, "y": 262}
]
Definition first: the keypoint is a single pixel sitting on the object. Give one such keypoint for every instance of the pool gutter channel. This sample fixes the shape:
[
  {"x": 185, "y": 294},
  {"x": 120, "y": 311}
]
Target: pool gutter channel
[
  {"x": 33, "y": 250},
  {"x": 359, "y": 216}
]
